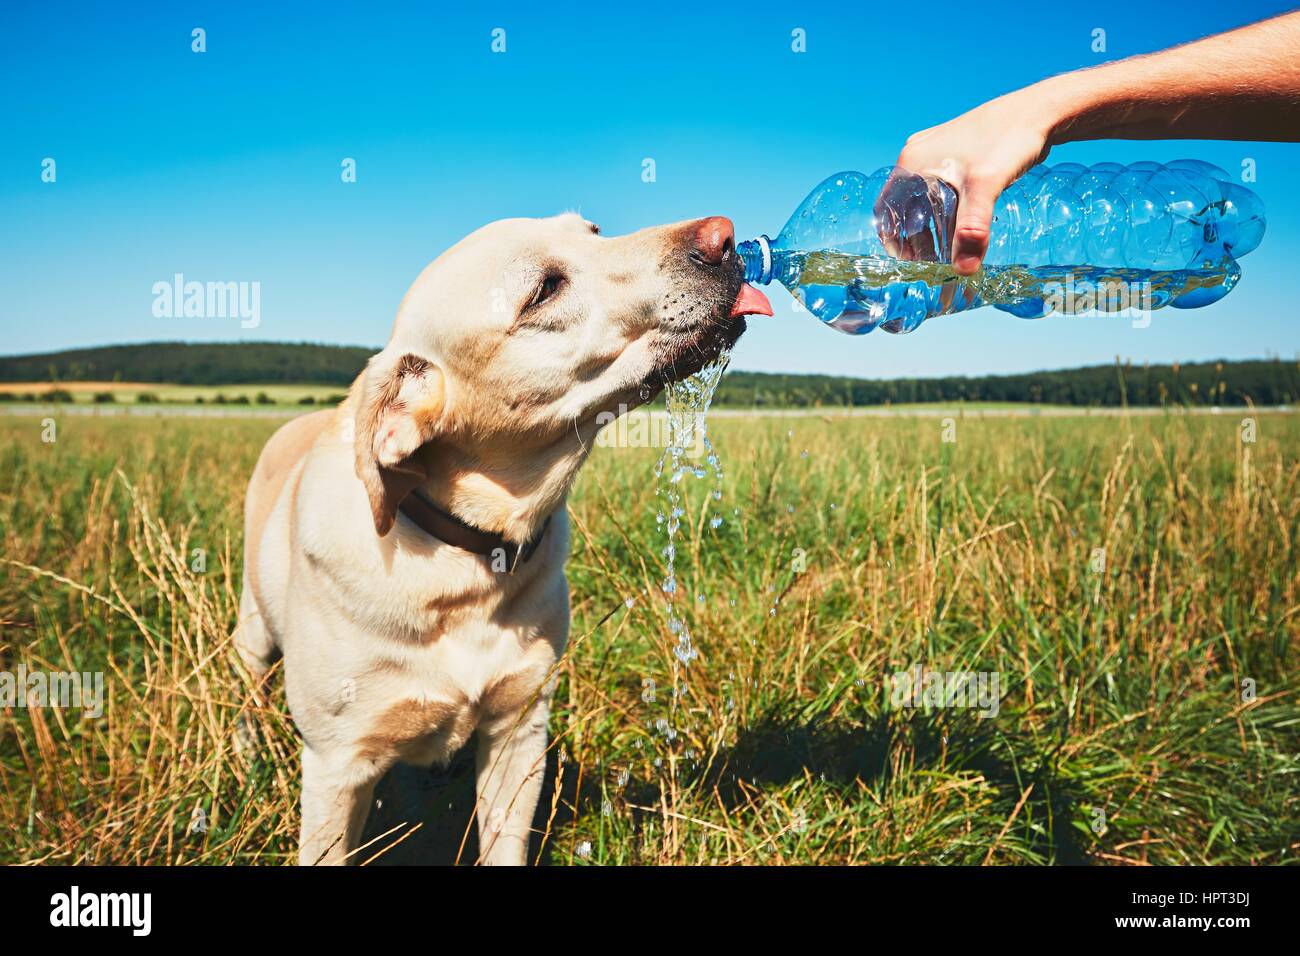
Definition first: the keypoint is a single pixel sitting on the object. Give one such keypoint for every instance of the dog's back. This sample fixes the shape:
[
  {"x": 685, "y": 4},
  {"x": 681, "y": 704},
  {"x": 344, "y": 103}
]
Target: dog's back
[{"x": 276, "y": 475}]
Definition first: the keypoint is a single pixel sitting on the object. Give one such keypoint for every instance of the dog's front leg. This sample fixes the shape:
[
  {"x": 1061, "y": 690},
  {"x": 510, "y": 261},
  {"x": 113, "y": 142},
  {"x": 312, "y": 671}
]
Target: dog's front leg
[
  {"x": 511, "y": 765},
  {"x": 335, "y": 802}
]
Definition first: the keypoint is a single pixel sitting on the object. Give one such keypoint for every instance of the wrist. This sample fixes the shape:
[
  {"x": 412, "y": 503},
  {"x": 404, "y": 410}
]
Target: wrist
[{"x": 1061, "y": 107}]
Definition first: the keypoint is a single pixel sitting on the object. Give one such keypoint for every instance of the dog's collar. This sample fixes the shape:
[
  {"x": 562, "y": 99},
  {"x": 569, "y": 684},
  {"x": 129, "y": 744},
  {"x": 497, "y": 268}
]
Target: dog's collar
[{"x": 451, "y": 530}]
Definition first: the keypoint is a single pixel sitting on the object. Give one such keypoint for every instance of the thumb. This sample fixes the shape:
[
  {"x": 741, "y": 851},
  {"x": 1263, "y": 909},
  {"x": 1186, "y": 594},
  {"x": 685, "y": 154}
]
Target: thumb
[{"x": 970, "y": 238}]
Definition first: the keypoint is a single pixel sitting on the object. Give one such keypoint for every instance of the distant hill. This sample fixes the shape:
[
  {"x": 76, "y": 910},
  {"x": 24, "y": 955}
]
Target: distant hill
[
  {"x": 1262, "y": 382},
  {"x": 183, "y": 363}
]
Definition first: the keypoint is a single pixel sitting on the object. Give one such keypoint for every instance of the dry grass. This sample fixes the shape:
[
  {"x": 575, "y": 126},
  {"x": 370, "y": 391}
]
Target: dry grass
[{"x": 1123, "y": 699}]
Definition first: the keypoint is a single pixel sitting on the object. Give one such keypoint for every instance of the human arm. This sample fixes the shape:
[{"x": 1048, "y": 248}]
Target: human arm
[{"x": 1243, "y": 84}]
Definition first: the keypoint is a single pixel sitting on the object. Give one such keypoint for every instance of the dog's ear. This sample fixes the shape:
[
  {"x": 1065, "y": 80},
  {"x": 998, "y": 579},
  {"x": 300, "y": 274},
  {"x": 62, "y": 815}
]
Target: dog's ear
[{"x": 397, "y": 412}]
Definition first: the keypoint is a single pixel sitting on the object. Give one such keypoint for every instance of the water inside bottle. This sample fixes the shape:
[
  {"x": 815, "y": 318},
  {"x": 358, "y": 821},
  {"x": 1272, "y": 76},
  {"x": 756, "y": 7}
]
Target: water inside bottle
[{"x": 856, "y": 294}]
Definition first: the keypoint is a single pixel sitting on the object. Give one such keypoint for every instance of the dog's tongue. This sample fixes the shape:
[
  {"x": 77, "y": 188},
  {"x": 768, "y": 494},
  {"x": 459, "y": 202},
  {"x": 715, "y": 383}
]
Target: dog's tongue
[{"x": 750, "y": 302}]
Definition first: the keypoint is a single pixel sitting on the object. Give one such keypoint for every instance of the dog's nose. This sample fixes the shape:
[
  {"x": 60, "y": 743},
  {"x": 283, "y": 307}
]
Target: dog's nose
[{"x": 714, "y": 240}]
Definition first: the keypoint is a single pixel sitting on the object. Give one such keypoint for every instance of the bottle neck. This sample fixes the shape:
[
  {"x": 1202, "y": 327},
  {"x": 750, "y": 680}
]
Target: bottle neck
[{"x": 756, "y": 254}]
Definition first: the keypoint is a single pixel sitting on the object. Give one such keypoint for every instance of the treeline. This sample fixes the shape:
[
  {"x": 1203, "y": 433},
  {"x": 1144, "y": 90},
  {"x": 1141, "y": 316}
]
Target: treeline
[
  {"x": 183, "y": 363},
  {"x": 1260, "y": 382}
]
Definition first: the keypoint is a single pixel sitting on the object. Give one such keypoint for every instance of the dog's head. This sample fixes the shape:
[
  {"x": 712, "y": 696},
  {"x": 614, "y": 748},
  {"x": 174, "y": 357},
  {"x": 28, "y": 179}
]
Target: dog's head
[{"x": 510, "y": 345}]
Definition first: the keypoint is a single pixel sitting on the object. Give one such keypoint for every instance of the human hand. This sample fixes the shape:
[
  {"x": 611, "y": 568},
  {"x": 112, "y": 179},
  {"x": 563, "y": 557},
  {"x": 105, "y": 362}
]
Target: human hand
[{"x": 979, "y": 154}]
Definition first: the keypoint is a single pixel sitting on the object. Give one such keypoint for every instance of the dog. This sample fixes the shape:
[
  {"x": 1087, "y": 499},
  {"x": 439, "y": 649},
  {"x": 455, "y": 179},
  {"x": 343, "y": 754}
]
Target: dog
[{"x": 404, "y": 552}]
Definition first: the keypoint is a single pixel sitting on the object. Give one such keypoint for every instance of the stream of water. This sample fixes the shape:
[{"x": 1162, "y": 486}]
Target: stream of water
[{"x": 689, "y": 453}]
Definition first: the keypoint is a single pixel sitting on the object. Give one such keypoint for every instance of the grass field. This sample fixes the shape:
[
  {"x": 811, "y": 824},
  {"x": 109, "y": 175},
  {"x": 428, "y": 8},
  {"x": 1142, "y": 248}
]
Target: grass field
[
  {"x": 128, "y": 393},
  {"x": 1133, "y": 583}
]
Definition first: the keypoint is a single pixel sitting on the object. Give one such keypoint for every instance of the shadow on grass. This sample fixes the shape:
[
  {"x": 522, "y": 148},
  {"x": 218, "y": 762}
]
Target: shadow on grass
[
  {"x": 441, "y": 800},
  {"x": 778, "y": 749}
]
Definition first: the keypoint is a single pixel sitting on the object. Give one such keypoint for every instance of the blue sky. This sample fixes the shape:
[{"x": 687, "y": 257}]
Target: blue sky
[{"x": 225, "y": 165}]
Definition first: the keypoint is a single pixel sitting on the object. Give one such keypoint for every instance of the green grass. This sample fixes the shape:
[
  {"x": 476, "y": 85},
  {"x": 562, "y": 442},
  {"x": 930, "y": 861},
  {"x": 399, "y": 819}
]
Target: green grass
[{"x": 1123, "y": 685}]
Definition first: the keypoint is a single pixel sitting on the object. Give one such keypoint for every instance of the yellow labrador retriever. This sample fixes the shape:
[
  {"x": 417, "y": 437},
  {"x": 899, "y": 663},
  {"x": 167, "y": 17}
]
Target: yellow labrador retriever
[{"x": 405, "y": 551}]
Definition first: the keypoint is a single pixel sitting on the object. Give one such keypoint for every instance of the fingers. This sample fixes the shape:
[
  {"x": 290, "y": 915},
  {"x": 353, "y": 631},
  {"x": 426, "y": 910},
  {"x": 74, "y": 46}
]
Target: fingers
[{"x": 970, "y": 239}]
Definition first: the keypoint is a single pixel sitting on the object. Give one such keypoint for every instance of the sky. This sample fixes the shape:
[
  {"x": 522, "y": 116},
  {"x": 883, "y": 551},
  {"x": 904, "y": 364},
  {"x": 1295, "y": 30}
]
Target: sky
[{"x": 226, "y": 165}]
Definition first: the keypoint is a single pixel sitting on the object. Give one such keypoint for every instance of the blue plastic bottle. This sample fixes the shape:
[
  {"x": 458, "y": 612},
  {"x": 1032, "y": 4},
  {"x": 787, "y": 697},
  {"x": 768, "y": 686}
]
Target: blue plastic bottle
[{"x": 866, "y": 251}]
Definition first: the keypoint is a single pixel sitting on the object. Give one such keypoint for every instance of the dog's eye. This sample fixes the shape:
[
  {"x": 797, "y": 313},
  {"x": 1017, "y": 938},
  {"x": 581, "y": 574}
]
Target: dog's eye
[{"x": 547, "y": 289}]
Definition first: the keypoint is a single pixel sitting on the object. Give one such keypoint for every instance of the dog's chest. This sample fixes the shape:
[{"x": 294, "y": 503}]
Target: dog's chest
[
  {"x": 436, "y": 643},
  {"x": 435, "y": 695}
]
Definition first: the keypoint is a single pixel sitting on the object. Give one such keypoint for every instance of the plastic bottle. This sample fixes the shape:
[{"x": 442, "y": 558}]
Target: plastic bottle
[{"x": 866, "y": 251}]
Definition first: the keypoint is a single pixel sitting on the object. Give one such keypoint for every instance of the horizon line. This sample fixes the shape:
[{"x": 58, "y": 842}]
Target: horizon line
[{"x": 1275, "y": 358}]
